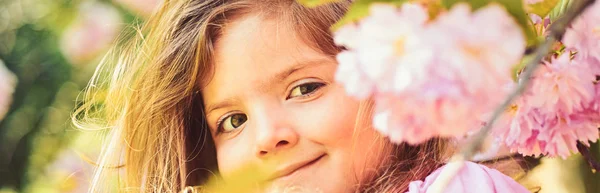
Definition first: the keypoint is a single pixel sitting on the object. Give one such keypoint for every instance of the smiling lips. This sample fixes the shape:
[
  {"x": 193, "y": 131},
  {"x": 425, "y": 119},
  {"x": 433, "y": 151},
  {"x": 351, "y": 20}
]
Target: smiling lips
[{"x": 291, "y": 169}]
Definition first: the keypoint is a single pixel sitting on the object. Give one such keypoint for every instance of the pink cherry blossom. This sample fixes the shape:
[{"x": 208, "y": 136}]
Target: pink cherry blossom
[
  {"x": 555, "y": 113},
  {"x": 347, "y": 36},
  {"x": 536, "y": 19},
  {"x": 563, "y": 85},
  {"x": 472, "y": 178},
  {"x": 478, "y": 51},
  {"x": 519, "y": 128},
  {"x": 583, "y": 36},
  {"x": 562, "y": 105},
  {"x": 91, "y": 33},
  {"x": 384, "y": 39},
  {"x": 429, "y": 78},
  {"x": 417, "y": 118},
  {"x": 531, "y": 132},
  {"x": 540, "y": 25},
  {"x": 349, "y": 73},
  {"x": 7, "y": 86}
]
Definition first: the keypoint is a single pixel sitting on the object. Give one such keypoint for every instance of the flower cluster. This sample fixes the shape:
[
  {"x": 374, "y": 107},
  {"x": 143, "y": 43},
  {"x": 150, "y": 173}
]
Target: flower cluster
[
  {"x": 444, "y": 77},
  {"x": 561, "y": 106},
  {"x": 428, "y": 77}
]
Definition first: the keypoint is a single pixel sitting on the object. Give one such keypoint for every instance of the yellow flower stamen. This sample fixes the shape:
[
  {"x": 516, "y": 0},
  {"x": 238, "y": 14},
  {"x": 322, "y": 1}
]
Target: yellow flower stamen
[
  {"x": 596, "y": 30},
  {"x": 472, "y": 51},
  {"x": 399, "y": 46},
  {"x": 512, "y": 110}
]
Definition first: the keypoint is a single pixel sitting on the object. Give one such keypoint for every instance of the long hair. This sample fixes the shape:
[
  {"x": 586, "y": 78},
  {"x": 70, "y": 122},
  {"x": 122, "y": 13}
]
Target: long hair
[{"x": 145, "y": 93}]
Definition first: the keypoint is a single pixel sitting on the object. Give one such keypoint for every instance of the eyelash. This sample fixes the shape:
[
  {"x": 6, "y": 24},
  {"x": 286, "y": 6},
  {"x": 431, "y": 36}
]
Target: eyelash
[{"x": 319, "y": 85}]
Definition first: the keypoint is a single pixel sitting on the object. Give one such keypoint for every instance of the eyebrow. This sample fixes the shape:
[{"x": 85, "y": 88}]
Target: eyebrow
[{"x": 279, "y": 77}]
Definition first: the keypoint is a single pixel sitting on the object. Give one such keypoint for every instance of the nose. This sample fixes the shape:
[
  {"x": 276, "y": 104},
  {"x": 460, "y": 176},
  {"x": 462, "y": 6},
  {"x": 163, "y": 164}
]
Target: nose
[{"x": 273, "y": 131}]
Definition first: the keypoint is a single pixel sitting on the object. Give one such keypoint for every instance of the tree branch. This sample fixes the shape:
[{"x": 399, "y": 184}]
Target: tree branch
[
  {"x": 585, "y": 152},
  {"x": 556, "y": 31}
]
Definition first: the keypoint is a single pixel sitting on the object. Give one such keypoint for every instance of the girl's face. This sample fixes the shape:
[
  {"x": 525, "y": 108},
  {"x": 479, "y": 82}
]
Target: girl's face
[{"x": 273, "y": 105}]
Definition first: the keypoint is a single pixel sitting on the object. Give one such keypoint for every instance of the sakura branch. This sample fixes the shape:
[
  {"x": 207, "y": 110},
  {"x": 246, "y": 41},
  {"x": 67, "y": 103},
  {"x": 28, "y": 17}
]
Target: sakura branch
[
  {"x": 585, "y": 152},
  {"x": 555, "y": 32}
]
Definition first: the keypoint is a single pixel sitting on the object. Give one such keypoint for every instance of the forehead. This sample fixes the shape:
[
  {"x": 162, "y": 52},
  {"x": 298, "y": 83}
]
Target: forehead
[{"x": 251, "y": 49}]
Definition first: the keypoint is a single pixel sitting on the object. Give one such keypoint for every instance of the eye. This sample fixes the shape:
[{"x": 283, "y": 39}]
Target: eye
[
  {"x": 305, "y": 89},
  {"x": 231, "y": 122}
]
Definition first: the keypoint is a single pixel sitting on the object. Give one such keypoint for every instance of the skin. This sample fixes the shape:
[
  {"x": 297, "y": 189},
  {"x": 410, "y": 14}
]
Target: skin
[{"x": 281, "y": 112}]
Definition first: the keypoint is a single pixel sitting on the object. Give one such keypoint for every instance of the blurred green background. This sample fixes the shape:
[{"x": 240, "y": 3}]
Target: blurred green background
[{"x": 53, "y": 47}]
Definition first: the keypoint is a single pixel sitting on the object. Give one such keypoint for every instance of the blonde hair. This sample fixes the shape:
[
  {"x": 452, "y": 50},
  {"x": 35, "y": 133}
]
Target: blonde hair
[{"x": 146, "y": 93}]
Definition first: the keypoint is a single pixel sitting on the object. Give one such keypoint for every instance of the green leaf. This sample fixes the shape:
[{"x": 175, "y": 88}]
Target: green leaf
[
  {"x": 475, "y": 4},
  {"x": 542, "y": 8},
  {"x": 314, "y": 3},
  {"x": 559, "y": 9},
  {"x": 360, "y": 9},
  {"x": 516, "y": 70},
  {"x": 513, "y": 7}
]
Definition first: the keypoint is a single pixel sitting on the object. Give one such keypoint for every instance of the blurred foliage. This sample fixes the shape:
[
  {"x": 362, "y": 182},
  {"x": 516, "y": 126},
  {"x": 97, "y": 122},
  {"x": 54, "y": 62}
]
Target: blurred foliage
[{"x": 40, "y": 150}]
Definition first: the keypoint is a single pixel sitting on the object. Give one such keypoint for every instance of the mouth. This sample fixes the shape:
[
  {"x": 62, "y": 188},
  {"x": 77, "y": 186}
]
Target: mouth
[{"x": 289, "y": 171}]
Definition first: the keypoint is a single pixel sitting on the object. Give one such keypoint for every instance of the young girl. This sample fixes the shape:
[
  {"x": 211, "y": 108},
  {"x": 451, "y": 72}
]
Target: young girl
[{"x": 213, "y": 86}]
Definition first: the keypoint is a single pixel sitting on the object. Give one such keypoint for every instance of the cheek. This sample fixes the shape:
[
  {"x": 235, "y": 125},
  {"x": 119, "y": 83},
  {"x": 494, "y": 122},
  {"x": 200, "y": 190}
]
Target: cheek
[
  {"x": 329, "y": 119},
  {"x": 231, "y": 156}
]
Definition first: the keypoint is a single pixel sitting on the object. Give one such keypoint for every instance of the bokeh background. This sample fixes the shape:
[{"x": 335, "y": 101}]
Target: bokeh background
[{"x": 53, "y": 46}]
